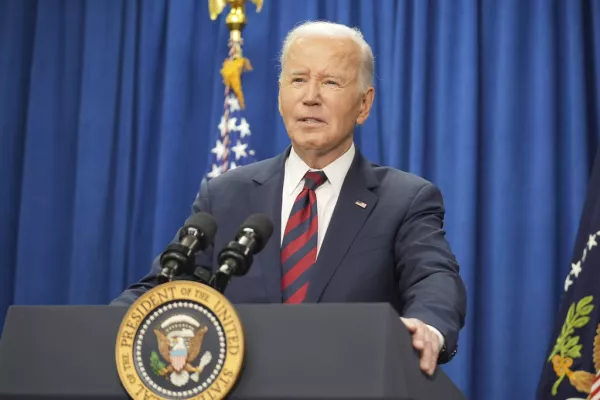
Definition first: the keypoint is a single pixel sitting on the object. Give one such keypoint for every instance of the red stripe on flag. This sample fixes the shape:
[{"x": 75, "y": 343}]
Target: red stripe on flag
[
  {"x": 299, "y": 268},
  {"x": 297, "y": 244},
  {"x": 595, "y": 395},
  {"x": 299, "y": 296}
]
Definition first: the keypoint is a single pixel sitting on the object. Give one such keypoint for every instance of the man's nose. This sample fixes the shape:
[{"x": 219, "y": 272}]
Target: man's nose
[{"x": 312, "y": 95}]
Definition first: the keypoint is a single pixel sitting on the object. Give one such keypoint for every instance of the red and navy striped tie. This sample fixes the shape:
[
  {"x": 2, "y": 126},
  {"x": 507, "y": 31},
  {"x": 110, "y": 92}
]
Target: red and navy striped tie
[{"x": 299, "y": 245}]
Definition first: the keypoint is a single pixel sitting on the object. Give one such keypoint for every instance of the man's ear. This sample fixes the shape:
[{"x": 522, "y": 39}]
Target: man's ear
[
  {"x": 279, "y": 98},
  {"x": 365, "y": 105}
]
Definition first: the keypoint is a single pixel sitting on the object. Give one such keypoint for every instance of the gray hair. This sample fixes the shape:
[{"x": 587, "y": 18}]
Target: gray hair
[{"x": 330, "y": 29}]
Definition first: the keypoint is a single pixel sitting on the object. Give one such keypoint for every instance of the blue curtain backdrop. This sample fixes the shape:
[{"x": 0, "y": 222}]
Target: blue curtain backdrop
[{"x": 109, "y": 109}]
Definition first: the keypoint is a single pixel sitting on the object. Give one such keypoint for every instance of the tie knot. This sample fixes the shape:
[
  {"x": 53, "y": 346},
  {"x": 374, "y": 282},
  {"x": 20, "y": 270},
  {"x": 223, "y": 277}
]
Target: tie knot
[{"x": 314, "y": 179}]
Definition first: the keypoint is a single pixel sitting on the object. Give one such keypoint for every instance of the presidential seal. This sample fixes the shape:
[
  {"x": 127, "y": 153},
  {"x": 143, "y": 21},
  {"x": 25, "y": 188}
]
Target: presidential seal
[{"x": 180, "y": 340}]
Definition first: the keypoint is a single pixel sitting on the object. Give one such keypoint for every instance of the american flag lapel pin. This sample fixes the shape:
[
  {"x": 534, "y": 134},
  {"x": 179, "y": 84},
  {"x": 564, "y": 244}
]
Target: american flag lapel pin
[{"x": 361, "y": 204}]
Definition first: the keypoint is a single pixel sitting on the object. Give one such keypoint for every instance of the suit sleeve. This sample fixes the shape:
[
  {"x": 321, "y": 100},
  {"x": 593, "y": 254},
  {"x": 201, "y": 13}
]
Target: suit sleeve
[
  {"x": 133, "y": 292},
  {"x": 431, "y": 287}
]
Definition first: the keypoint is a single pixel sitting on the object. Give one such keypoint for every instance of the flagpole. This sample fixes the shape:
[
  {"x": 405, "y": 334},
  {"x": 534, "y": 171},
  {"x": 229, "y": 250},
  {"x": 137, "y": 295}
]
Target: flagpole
[{"x": 236, "y": 19}]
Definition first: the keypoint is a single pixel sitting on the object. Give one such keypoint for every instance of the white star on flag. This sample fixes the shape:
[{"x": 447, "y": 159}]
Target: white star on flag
[
  {"x": 592, "y": 242},
  {"x": 244, "y": 128},
  {"x": 223, "y": 127},
  {"x": 576, "y": 269},
  {"x": 240, "y": 150},
  {"x": 216, "y": 171},
  {"x": 568, "y": 282},
  {"x": 232, "y": 124},
  {"x": 233, "y": 103},
  {"x": 218, "y": 150}
]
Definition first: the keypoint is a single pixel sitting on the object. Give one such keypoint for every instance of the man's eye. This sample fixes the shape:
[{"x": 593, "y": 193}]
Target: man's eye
[
  {"x": 297, "y": 80},
  {"x": 331, "y": 83}
]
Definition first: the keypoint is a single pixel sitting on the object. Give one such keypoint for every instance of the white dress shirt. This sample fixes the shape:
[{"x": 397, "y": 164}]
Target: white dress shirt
[{"x": 327, "y": 194}]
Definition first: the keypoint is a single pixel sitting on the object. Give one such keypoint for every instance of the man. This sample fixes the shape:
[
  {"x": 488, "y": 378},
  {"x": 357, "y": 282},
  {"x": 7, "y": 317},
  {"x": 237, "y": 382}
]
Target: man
[{"x": 345, "y": 230}]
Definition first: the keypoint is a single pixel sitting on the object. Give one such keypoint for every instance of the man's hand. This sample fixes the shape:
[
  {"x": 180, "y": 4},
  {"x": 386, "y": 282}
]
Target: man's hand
[{"x": 426, "y": 341}]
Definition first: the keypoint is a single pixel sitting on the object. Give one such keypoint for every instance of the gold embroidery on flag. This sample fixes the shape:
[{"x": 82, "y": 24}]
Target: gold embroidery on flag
[{"x": 567, "y": 348}]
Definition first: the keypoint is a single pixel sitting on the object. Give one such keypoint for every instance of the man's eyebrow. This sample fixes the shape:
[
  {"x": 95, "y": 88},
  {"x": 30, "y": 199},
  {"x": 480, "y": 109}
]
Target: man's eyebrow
[{"x": 305, "y": 73}]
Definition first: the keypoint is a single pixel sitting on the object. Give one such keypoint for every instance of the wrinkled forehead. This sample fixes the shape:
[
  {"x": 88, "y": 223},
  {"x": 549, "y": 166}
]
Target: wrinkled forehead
[{"x": 322, "y": 56}]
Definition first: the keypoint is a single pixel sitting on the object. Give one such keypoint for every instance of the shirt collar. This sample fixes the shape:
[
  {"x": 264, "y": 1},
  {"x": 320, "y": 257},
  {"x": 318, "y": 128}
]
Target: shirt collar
[{"x": 295, "y": 169}]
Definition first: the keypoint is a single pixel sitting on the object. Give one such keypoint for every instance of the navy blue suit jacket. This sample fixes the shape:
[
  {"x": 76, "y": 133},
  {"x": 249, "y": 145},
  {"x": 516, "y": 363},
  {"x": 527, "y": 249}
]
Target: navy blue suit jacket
[{"x": 393, "y": 250}]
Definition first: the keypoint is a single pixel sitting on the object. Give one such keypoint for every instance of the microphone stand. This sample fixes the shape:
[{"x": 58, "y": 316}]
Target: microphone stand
[
  {"x": 219, "y": 281},
  {"x": 202, "y": 275}
]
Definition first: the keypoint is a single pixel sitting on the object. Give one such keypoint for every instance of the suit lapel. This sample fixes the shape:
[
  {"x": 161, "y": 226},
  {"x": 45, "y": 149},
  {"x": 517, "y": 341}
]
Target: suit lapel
[
  {"x": 346, "y": 221},
  {"x": 266, "y": 199}
]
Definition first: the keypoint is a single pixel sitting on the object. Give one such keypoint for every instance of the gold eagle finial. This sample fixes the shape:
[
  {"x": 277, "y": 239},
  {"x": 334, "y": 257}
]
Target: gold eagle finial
[{"x": 216, "y": 7}]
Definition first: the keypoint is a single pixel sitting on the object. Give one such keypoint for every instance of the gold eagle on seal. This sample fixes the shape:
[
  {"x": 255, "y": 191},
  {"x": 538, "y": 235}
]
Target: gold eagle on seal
[{"x": 180, "y": 353}]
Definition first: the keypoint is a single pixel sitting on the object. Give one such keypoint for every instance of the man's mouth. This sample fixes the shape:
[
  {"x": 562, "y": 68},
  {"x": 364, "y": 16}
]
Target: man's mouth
[{"x": 311, "y": 120}]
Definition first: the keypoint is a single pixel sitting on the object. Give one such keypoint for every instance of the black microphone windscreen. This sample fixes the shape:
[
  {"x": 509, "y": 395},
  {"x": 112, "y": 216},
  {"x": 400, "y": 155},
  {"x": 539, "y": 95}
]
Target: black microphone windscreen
[
  {"x": 205, "y": 223},
  {"x": 262, "y": 226}
]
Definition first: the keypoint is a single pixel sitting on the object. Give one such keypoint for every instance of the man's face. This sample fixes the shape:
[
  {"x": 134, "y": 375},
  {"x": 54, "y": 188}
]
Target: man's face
[{"x": 319, "y": 95}]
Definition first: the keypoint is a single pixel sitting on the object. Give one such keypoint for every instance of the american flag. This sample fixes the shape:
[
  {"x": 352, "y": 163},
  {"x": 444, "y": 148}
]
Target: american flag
[{"x": 232, "y": 147}]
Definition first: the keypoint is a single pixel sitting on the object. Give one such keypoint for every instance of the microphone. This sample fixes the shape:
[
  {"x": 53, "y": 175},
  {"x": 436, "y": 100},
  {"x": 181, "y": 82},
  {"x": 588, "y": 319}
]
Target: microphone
[
  {"x": 197, "y": 234},
  {"x": 236, "y": 258}
]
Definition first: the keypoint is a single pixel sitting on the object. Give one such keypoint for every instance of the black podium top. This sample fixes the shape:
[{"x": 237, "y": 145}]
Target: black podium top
[{"x": 308, "y": 351}]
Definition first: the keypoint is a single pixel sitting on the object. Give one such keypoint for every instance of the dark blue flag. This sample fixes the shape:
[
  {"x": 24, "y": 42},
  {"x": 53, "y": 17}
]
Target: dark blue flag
[{"x": 571, "y": 369}]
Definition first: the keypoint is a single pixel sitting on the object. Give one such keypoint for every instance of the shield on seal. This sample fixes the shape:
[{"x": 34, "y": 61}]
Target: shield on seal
[{"x": 179, "y": 355}]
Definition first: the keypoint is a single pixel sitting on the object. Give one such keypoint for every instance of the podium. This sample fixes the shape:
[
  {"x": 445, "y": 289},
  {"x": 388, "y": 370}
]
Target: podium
[{"x": 307, "y": 351}]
